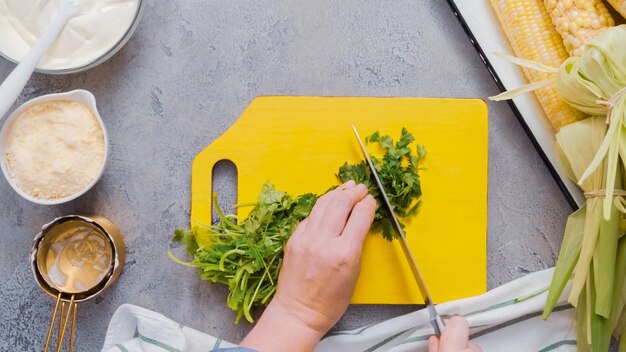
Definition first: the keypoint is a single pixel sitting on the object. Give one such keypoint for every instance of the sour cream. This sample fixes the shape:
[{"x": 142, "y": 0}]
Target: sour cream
[{"x": 85, "y": 38}]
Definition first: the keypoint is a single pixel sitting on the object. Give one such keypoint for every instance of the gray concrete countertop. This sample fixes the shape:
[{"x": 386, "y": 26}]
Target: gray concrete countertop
[{"x": 189, "y": 71}]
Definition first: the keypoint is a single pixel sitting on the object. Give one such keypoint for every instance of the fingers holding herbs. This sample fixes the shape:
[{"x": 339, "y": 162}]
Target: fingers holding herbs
[
  {"x": 319, "y": 273},
  {"x": 359, "y": 223},
  {"x": 331, "y": 211},
  {"x": 318, "y": 277},
  {"x": 316, "y": 218}
]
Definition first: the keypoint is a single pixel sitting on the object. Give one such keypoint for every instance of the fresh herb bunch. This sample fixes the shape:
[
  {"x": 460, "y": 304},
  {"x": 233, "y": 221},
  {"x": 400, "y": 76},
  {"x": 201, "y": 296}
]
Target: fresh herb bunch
[
  {"x": 398, "y": 172},
  {"x": 246, "y": 255}
]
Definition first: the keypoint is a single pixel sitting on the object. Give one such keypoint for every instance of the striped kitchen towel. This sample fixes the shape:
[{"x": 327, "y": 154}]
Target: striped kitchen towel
[
  {"x": 134, "y": 329},
  {"x": 507, "y": 318}
]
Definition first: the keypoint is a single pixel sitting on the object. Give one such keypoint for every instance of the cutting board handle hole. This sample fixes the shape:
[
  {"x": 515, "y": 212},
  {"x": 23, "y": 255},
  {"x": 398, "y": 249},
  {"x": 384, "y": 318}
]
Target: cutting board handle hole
[{"x": 224, "y": 181}]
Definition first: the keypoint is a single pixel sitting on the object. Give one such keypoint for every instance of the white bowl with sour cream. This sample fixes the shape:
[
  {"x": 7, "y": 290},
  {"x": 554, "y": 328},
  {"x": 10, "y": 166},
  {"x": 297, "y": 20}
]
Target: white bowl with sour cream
[
  {"x": 54, "y": 148},
  {"x": 100, "y": 31}
]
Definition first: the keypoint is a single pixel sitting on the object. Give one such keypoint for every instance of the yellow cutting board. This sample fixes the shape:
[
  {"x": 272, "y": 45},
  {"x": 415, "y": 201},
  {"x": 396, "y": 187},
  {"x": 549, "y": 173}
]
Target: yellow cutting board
[{"x": 298, "y": 143}]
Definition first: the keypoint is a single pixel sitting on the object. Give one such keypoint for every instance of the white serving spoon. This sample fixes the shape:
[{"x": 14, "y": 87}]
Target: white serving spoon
[{"x": 15, "y": 82}]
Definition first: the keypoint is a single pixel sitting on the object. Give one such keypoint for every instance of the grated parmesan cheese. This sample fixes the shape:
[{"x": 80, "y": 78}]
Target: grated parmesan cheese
[{"x": 55, "y": 149}]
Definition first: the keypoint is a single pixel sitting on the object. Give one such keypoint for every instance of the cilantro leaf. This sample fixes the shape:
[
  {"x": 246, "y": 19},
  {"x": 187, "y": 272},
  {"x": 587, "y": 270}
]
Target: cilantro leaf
[{"x": 398, "y": 172}]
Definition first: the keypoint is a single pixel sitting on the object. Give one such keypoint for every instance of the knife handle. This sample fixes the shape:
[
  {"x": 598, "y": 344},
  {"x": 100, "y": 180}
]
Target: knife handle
[{"x": 438, "y": 325}]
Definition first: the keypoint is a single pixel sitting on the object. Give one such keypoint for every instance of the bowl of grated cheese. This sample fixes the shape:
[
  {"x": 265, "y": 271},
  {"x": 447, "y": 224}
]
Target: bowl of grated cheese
[{"x": 54, "y": 148}]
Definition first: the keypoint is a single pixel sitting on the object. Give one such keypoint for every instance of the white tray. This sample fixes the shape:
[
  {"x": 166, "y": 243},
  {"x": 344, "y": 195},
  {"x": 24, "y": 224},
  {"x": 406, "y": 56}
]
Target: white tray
[{"x": 482, "y": 27}]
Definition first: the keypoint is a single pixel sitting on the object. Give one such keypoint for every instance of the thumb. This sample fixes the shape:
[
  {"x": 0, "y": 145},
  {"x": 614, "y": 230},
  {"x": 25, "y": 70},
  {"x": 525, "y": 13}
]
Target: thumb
[
  {"x": 433, "y": 344},
  {"x": 455, "y": 336}
]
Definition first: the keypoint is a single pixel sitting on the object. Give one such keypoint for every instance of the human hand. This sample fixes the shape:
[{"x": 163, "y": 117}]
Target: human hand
[
  {"x": 322, "y": 259},
  {"x": 319, "y": 272},
  {"x": 454, "y": 338}
]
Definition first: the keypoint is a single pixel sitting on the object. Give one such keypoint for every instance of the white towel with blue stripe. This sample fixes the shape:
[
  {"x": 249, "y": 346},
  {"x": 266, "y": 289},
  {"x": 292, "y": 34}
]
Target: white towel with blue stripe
[{"x": 507, "y": 318}]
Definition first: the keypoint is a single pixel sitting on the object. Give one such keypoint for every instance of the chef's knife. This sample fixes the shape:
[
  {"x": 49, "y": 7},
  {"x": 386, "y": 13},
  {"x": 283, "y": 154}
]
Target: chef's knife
[{"x": 435, "y": 320}]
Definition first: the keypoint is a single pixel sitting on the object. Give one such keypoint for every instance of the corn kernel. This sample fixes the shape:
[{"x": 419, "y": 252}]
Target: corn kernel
[
  {"x": 533, "y": 37},
  {"x": 578, "y": 21}
]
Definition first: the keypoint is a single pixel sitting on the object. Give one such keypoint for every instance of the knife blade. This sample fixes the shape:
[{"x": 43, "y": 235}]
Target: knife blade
[{"x": 435, "y": 320}]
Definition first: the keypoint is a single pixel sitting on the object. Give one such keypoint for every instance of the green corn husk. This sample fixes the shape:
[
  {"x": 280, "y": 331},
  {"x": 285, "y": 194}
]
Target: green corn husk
[
  {"x": 618, "y": 288},
  {"x": 598, "y": 279},
  {"x": 568, "y": 256},
  {"x": 597, "y": 323},
  {"x": 590, "y": 242},
  {"x": 599, "y": 76},
  {"x": 593, "y": 253},
  {"x": 583, "y": 322}
]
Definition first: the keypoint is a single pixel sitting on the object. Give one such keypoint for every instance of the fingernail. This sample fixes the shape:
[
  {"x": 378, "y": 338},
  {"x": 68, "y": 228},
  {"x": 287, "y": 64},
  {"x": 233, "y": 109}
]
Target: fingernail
[
  {"x": 349, "y": 183},
  {"x": 370, "y": 198},
  {"x": 362, "y": 186},
  {"x": 431, "y": 344}
]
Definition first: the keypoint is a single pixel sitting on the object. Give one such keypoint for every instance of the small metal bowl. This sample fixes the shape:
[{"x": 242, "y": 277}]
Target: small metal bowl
[
  {"x": 73, "y": 259},
  {"x": 46, "y": 251}
]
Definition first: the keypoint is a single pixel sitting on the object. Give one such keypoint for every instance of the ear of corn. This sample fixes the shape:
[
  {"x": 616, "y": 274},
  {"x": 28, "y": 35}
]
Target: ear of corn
[
  {"x": 578, "y": 21},
  {"x": 532, "y": 36},
  {"x": 619, "y": 5}
]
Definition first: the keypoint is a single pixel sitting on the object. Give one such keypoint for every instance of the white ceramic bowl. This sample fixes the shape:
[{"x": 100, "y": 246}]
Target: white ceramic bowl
[
  {"x": 104, "y": 57},
  {"x": 79, "y": 96}
]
